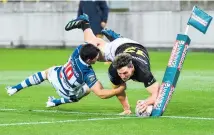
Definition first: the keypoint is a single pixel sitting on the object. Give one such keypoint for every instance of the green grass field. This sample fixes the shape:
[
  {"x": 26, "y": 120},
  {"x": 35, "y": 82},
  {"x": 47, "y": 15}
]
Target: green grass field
[{"x": 190, "y": 112}]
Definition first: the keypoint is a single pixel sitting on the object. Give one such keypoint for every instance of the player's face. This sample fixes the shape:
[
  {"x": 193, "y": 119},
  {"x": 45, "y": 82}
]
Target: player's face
[{"x": 125, "y": 72}]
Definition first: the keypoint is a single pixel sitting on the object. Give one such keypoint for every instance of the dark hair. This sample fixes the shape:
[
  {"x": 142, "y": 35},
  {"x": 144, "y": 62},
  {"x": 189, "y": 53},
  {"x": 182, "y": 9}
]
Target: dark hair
[
  {"x": 122, "y": 60},
  {"x": 88, "y": 51}
]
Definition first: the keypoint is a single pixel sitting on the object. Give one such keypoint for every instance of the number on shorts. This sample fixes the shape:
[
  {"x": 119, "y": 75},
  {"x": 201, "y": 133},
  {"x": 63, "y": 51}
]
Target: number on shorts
[{"x": 69, "y": 71}]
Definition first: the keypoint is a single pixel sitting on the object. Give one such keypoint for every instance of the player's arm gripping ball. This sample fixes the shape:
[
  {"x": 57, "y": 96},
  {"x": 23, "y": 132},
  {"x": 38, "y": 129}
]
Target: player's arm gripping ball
[{"x": 143, "y": 110}]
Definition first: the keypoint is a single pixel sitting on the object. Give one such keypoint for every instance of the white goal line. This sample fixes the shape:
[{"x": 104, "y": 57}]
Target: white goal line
[{"x": 104, "y": 114}]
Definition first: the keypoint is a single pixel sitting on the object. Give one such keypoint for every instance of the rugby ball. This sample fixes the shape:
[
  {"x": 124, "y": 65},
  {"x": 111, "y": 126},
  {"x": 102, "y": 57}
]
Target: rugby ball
[{"x": 145, "y": 113}]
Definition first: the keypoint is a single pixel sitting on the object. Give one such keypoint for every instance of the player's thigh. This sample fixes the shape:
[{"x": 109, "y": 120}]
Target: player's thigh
[
  {"x": 53, "y": 79},
  {"x": 52, "y": 72},
  {"x": 98, "y": 42}
]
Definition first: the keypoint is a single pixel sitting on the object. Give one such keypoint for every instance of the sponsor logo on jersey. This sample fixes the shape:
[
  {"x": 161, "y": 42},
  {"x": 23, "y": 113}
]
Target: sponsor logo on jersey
[
  {"x": 92, "y": 78},
  {"x": 74, "y": 69},
  {"x": 149, "y": 83},
  {"x": 141, "y": 60}
]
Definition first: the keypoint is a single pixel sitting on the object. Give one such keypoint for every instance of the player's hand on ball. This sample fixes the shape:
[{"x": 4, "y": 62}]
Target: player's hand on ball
[
  {"x": 143, "y": 109},
  {"x": 141, "y": 105},
  {"x": 126, "y": 112}
]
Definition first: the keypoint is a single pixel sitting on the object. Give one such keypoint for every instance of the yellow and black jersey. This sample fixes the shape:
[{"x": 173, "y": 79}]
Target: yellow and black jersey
[{"x": 140, "y": 60}]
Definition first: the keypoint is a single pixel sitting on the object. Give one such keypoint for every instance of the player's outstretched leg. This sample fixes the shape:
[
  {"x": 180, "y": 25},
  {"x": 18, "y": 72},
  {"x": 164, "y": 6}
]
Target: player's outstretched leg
[
  {"x": 34, "y": 79},
  {"x": 79, "y": 22},
  {"x": 110, "y": 34},
  {"x": 82, "y": 92},
  {"x": 52, "y": 102}
]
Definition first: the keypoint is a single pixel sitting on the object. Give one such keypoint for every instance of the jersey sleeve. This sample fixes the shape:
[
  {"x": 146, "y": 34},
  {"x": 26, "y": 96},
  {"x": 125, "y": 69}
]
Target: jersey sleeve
[
  {"x": 90, "y": 79},
  {"x": 143, "y": 72},
  {"x": 149, "y": 80},
  {"x": 113, "y": 76}
]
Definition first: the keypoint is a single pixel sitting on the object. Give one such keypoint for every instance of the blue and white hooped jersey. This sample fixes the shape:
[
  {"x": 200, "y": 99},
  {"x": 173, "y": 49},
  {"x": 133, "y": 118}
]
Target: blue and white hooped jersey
[{"x": 75, "y": 73}]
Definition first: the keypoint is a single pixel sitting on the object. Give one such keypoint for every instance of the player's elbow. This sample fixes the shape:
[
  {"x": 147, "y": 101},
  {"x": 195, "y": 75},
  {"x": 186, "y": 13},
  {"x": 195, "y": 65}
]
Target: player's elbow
[
  {"x": 102, "y": 96},
  {"x": 154, "y": 90}
]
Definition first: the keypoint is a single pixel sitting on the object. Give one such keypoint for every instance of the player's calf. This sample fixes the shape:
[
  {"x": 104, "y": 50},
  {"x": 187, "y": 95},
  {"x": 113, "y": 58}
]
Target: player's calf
[
  {"x": 52, "y": 102},
  {"x": 34, "y": 79}
]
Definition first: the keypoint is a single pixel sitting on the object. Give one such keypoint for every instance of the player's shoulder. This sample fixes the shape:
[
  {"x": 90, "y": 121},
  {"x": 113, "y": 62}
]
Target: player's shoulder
[
  {"x": 76, "y": 52},
  {"x": 88, "y": 70},
  {"x": 85, "y": 68},
  {"x": 89, "y": 75},
  {"x": 139, "y": 60},
  {"x": 112, "y": 70},
  {"x": 142, "y": 67},
  {"x": 77, "y": 49}
]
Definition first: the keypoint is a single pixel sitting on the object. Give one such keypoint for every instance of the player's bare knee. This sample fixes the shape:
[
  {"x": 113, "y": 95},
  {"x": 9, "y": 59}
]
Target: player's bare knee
[{"x": 46, "y": 72}]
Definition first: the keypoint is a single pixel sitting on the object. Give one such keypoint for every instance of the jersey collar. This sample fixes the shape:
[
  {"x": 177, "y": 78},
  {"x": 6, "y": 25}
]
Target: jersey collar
[{"x": 83, "y": 62}]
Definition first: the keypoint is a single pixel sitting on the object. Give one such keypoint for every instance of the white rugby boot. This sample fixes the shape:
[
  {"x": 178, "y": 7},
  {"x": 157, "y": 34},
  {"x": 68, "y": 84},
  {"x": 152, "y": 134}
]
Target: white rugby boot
[
  {"x": 50, "y": 102},
  {"x": 10, "y": 91}
]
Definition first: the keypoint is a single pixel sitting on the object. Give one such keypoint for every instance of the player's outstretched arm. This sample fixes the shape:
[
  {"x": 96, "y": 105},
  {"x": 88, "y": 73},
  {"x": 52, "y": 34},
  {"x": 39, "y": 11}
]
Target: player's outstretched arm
[
  {"x": 98, "y": 89},
  {"x": 154, "y": 91},
  {"x": 124, "y": 102}
]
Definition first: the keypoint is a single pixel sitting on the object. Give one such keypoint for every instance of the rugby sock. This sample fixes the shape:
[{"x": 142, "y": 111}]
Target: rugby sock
[
  {"x": 110, "y": 34},
  {"x": 85, "y": 26},
  {"x": 34, "y": 79},
  {"x": 61, "y": 101}
]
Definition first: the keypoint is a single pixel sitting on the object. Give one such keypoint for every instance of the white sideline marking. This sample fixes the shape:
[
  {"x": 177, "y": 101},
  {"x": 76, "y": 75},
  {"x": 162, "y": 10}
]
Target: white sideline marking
[
  {"x": 186, "y": 117},
  {"x": 5, "y": 109},
  {"x": 104, "y": 114},
  {"x": 60, "y": 121}
]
